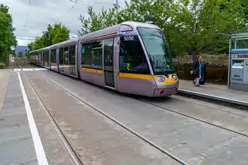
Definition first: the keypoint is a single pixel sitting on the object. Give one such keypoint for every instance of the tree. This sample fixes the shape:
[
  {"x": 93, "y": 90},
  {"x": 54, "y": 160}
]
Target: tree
[
  {"x": 99, "y": 21},
  {"x": 202, "y": 22},
  {"x": 7, "y": 36},
  {"x": 191, "y": 26},
  {"x": 59, "y": 33},
  {"x": 53, "y": 35},
  {"x": 30, "y": 46}
]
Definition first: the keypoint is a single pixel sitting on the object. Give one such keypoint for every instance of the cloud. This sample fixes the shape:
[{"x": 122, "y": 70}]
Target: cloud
[{"x": 31, "y": 17}]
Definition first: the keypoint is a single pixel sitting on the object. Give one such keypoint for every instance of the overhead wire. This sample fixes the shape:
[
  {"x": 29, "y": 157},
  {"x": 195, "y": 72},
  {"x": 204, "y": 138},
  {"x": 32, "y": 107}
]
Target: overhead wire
[{"x": 76, "y": 2}]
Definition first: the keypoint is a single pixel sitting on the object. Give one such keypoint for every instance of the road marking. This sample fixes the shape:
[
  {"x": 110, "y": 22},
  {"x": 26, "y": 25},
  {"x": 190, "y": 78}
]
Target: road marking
[
  {"x": 40, "y": 153},
  {"x": 40, "y": 69},
  {"x": 27, "y": 69},
  {"x": 17, "y": 70}
]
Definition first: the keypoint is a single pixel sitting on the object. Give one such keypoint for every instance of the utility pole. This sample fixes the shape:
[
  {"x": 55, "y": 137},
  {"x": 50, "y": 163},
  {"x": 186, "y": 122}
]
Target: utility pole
[
  {"x": 117, "y": 8},
  {"x": 117, "y": 5}
]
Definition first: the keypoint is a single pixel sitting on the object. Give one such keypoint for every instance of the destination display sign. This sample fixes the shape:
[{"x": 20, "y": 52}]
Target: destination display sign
[{"x": 240, "y": 56}]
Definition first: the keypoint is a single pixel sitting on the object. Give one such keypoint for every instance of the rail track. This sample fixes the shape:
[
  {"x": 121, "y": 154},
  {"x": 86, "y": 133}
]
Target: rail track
[
  {"x": 69, "y": 149},
  {"x": 72, "y": 153},
  {"x": 194, "y": 118}
]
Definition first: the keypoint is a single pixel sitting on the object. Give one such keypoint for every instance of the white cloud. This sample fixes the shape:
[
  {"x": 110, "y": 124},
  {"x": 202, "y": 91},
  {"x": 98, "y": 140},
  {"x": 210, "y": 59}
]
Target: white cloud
[{"x": 31, "y": 17}]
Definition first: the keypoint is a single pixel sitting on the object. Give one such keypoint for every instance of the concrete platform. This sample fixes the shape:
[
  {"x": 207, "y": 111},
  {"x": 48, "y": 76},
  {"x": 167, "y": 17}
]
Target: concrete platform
[
  {"x": 16, "y": 144},
  {"x": 216, "y": 92},
  {"x": 26, "y": 137}
]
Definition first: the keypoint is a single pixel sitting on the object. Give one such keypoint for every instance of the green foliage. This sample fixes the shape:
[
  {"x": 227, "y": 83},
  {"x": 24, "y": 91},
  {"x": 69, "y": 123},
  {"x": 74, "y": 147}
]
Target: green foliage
[
  {"x": 53, "y": 35},
  {"x": 59, "y": 33},
  {"x": 2, "y": 65},
  {"x": 189, "y": 26},
  {"x": 97, "y": 21},
  {"x": 215, "y": 74},
  {"x": 7, "y": 37},
  {"x": 30, "y": 46}
]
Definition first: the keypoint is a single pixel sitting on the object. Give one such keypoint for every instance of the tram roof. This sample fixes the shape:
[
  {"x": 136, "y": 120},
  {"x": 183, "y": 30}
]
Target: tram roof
[
  {"x": 65, "y": 43},
  {"x": 115, "y": 29},
  {"x": 107, "y": 31},
  {"x": 42, "y": 49},
  {"x": 68, "y": 42}
]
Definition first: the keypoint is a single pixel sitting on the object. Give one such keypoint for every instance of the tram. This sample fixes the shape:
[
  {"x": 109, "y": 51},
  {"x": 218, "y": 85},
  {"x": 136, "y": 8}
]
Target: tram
[{"x": 130, "y": 57}]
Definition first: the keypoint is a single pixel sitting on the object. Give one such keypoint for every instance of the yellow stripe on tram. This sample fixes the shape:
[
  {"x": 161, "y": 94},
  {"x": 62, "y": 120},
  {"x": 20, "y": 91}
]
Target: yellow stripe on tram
[
  {"x": 89, "y": 70},
  {"x": 67, "y": 66},
  {"x": 136, "y": 76}
]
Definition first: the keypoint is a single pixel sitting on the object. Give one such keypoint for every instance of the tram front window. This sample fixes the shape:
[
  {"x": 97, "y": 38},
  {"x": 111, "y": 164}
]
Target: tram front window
[
  {"x": 157, "y": 50},
  {"x": 132, "y": 56}
]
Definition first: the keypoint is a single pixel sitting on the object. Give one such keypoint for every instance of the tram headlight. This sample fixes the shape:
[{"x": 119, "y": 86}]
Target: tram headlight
[
  {"x": 175, "y": 77},
  {"x": 161, "y": 78}
]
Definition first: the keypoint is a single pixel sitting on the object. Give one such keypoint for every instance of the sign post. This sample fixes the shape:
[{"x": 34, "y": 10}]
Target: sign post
[{"x": 12, "y": 48}]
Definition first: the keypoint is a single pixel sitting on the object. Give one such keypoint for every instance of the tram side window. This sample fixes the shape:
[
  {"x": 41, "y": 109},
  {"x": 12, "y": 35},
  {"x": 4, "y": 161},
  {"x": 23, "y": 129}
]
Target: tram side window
[
  {"x": 96, "y": 55},
  {"x": 72, "y": 55},
  {"x": 66, "y": 56},
  {"x": 132, "y": 57},
  {"x": 61, "y": 56},
  {"x": 86, "y": 61},
  {"x": 40, "y": 56},
  {"x": 45, "y": 54},
  {"x": 108, "y": 52},
  {"x": 53, "y": 56}
]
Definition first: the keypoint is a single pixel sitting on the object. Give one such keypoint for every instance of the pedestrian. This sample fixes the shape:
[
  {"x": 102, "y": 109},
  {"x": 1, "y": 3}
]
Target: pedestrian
[
  {"x": 197, "y": 71},
  {"x": 12, "y": 61}
]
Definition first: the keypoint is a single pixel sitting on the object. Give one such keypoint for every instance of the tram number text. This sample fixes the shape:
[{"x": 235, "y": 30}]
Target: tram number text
[{"x": 128, "y": 38}]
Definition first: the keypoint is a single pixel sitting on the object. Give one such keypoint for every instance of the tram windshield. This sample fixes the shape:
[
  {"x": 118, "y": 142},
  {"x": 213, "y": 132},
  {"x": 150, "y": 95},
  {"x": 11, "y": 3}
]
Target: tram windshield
[{"x": 157, "y": 50}]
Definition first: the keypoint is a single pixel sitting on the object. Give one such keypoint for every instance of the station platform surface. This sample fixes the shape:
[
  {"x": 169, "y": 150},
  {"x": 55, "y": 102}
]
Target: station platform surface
[
  {"x": 16, "y": 144},
  {"x": 214, "y": 91}
]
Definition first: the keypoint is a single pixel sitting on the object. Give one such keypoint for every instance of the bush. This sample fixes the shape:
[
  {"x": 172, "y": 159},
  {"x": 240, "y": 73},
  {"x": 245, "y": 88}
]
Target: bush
[
  {"x": 217, "y": 74},
  {"x": 2, "y": 65}
]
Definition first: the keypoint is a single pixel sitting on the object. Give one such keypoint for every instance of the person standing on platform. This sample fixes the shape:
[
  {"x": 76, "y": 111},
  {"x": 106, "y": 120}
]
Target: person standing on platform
[
  {"x": 197, "y": 70},
  {"x": 12, "y": 61}
]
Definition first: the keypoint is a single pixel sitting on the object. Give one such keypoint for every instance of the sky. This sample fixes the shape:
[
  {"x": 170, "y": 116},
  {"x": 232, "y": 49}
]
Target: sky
[{"x": 31, "y": 17}]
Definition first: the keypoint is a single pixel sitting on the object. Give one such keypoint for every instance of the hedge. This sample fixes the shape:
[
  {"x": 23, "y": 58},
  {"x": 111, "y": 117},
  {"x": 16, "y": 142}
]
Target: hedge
[
  {"x": 2, "y": 65},
  {"x": 216, "y": 74}
]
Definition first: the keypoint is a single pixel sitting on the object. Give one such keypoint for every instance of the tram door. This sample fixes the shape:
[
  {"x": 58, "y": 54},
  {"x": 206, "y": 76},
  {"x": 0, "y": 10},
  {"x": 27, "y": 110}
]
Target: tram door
[
  {"x": 109, "y": 62},
  {"x": 66, "y": 60},
  {"x": 72, "y": 60},
  {"x": 61, "y": 60}
]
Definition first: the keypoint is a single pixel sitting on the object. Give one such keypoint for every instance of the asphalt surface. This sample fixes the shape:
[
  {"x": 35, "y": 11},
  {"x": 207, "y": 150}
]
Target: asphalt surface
[{"x": 197, "y": 132}]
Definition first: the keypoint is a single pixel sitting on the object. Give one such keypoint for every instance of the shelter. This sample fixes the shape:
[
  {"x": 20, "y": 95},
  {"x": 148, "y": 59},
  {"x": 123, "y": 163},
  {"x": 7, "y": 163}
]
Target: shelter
[{"x": 238, "y": 61}]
